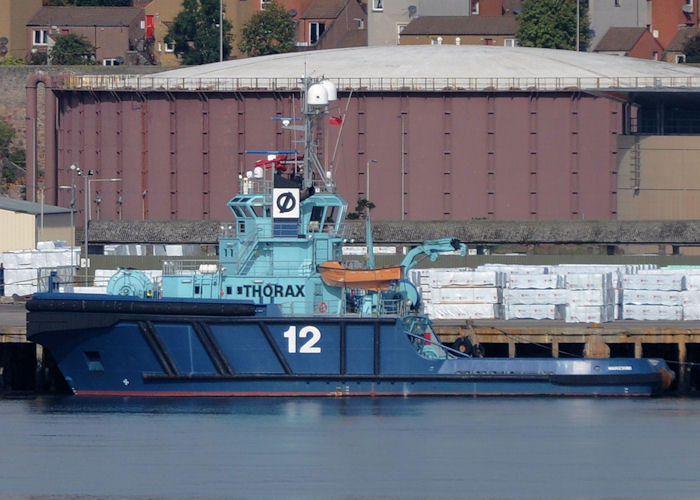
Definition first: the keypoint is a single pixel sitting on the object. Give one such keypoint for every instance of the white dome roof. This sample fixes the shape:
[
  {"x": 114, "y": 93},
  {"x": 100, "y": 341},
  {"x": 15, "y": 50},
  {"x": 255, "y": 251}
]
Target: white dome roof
[{"x": 455, "y": 66}]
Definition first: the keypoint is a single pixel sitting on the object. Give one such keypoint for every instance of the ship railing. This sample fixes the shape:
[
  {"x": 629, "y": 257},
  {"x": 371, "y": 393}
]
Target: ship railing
[
  {"x": 248, "y": 240},
  {"x": 276, "y": 268},
  {"x": 202, "y": 266}
]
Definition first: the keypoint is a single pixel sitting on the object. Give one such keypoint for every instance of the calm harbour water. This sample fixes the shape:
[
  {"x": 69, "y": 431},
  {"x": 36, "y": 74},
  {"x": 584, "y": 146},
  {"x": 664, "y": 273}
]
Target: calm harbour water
[{"x": 350, "y": 448}]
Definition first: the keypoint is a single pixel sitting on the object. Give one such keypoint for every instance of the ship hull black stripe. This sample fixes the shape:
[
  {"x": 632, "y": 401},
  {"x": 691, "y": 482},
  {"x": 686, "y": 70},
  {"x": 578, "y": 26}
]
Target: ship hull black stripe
[
  {"x": 158, "y": 348},
  {"x": 275, "y": 348},
  {"x": 212, "y": 348}
]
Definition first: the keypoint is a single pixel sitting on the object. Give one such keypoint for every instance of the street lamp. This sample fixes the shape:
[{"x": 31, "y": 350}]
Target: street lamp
[
  {"x": 367, "y": 177},
  {"x": 85, "y": 174},
  {"x": 221, "y": 30},
  {"x": 73, "y": 168}
]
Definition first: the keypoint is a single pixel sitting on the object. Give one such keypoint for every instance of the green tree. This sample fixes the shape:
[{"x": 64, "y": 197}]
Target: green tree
[
  {"x": 270, "y": 31},
  {"x": 195, "y": 32},
  {"x": 691, "y": 49},
  {"x": 552, "y": 24},
  {"x": 12, "y": 61},
  {"x": 10, "y": 158},
  {"x": 72, "y": 49}
]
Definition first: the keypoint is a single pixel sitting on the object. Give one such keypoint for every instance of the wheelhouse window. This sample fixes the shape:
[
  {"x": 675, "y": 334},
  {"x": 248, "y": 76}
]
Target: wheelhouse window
[{"x": 41, "y": 37}]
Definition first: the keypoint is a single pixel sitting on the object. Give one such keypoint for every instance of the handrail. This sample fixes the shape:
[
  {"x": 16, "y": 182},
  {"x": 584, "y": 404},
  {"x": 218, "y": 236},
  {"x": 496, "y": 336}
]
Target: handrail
[{"x": 472, "y": 84}]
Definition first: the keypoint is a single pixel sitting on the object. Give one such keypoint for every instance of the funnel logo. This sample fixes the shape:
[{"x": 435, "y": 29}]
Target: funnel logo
[{"x": 285, "y": 203}]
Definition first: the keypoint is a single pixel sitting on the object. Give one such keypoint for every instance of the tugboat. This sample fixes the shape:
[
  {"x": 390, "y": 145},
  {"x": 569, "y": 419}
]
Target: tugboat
[{"x": 280, "y": 314}]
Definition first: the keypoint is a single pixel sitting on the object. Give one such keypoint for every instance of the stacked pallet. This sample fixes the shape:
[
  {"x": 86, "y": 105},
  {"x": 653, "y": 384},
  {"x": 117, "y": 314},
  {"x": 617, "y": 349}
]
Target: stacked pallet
[
  {"x": 22, "y": 268},
  {"x": 591, "y": 297},
  {"x": 534, "y": 296},
  {"x": 653, "y": 295},
  {"x": 460, "y": 293}
]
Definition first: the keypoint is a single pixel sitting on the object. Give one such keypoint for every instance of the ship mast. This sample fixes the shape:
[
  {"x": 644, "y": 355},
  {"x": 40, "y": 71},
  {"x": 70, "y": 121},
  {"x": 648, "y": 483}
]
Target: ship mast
[{"x": 318, "y": 94}]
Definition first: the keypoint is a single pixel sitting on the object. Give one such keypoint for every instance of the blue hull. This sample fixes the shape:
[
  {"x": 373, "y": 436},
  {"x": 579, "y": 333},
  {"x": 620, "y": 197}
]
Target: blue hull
[{"x": 107, "y": 345}]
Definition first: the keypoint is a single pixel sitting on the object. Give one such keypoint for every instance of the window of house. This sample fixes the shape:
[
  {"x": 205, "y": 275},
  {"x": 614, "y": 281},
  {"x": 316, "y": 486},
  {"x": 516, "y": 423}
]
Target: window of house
[
  {"x": 617, "y": 3},
  {"x": 170, "y": 47},
  {"x": 680, "y": 58},
  {"x": 377, "y": 4},
  {"x": 264, "y": 4},
  {"x": 510, "y": 42},
  {"x": 475, "y": 7},
  {"x": 315, "y": 31},
  {"x": 41, "y": 37}
]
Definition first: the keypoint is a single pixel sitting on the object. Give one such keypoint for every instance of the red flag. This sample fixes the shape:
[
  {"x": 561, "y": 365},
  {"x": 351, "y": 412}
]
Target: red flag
[{"x": 335, "y": 120}]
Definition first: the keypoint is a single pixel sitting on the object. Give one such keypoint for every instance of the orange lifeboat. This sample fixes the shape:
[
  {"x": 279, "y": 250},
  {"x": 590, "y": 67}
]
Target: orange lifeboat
[{"x": 333, "y": 273}]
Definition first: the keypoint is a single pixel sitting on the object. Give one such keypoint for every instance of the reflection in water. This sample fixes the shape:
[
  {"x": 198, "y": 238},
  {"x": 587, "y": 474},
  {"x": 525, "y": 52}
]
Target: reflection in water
[{"x": 351, "y": 447}]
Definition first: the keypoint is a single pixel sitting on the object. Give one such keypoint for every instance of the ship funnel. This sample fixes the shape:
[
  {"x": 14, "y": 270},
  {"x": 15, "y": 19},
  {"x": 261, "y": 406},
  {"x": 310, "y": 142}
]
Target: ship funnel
[
  {"x": 330, "y": 89},
  {"x": 317, "y": 95}
]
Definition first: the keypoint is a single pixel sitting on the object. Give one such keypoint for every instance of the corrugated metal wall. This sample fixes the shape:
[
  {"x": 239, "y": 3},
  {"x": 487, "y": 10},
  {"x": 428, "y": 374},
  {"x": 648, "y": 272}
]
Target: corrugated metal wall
[
  {"x": 18, "y": 231},
  {"x": 500, "y": 156}
]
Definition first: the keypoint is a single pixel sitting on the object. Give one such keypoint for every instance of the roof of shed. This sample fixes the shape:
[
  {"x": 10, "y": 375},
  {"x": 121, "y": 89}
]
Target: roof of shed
[
  {"x": 462, "y": 25},
  {"x": 29, "y": 207},
  {"x": 620, "y": 39},
  {"x": 85, "y": 16}
]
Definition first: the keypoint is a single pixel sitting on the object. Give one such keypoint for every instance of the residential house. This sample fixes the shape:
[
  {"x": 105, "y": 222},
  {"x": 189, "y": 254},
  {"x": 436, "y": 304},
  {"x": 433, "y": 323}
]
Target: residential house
[
  {"x": 461, "y": 30},
  {"x": 674, "y": 52},
  {"x": 667, "y": 16},
  {"x": 14, "y": 15},
  {"x": 631, "y": 42},
  {"x": 117, "y": 33},
  {"x": 606, "y": 14},
  {"x": 333, "y": 24},
  {"x": 386, "y": 19}
]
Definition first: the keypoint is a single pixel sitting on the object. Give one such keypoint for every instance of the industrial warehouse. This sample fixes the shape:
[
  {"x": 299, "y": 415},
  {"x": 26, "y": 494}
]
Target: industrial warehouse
[{"x": 441, "y": 132}]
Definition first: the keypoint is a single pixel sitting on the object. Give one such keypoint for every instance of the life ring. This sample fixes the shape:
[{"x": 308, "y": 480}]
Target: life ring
[{"x": 322, "y": 307}]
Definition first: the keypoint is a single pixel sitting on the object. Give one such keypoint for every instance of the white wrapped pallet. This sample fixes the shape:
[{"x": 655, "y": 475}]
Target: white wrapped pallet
[
  {"x": 691, "y": 312},
  {"x": 654, "y": 280},
  {"x": 462, "y": 311},
  {"x": 540, "y": 281},
  {"x": 509, "y": 269},
  {"x": 649, "y": 312},
  {"x": 90, "y": 289},
  {"x": 588, "y": 281},
  {"x": 590, "y": 314},
  {"x": 656, "y": 297},
  {"x": 533, "y": 311},
  {"x": 690, "y": 298},
  {"x": 692, "y": 281},
  {"x": 534, "y": 296},
  {"x": 473, "y": 295},
  {"x": 448, "y": 277},
  {"x": 599, "y": 297}
]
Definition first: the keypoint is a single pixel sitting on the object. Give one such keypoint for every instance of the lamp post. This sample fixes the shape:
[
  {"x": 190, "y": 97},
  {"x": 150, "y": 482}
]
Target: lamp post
[
  {"x": 578, "y": 17},
  {"x": 367, "y": 177},
  {"x": 85, "y": 174},
  {"x": 72, "y": 207},
  {"x": 221, "y": 30}
]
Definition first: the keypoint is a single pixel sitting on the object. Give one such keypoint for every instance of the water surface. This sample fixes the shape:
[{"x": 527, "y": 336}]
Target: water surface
[{"x": 384, "y": 448}]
